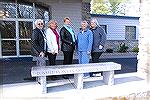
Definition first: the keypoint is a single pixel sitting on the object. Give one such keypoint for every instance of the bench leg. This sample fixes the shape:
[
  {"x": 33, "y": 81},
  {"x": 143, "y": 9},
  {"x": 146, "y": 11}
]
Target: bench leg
[
  {"x": 108, "y": 77},
  {"x": 40, "y": 61},
  {"x": 43, "y": 84},
  {"x": 78, "y": 81}
]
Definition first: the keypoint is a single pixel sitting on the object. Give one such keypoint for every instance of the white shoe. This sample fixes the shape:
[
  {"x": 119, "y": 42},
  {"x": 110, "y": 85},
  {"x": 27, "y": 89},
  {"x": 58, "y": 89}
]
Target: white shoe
[
  {"x": 97, "y": 75},
  {"x": 86, "y": 77}
]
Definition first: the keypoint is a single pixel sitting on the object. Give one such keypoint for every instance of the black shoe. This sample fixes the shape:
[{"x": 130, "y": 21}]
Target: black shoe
[
  {"x": 39, "y": 83},
  {"x": 65, "y": 77},
  {"x": 30, "y": 78},
  {"x": 52, "y": 78}
]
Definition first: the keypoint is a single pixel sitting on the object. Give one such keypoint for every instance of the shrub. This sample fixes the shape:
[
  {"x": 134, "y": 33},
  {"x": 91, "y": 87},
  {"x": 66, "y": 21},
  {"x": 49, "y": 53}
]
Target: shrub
[
  {"x": 109, "y": 50},
  {"x": 135, "y": 49},
  {"x": 123, "y": 48}
]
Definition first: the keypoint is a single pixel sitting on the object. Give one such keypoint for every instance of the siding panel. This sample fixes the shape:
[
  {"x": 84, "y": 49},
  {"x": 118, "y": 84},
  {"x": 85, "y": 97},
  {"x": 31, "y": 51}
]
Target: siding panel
[{"x": 116, "y": 27}]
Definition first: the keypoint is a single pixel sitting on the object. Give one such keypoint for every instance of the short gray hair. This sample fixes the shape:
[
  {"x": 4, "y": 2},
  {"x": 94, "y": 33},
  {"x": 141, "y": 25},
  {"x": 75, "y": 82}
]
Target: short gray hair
[
  {"x": 95, "y": 21},
  {"x": 84, "y": 21},
  {"x": 38, "y": 20}
]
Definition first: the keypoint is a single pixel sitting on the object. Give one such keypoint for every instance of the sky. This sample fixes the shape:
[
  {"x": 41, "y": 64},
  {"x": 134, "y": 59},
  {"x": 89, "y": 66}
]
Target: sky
[{"x": 133, "y": 8}]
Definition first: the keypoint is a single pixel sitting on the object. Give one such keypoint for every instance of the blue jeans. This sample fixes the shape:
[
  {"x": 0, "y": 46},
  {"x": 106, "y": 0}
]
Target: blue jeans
[{"x": 83, "y": 59}]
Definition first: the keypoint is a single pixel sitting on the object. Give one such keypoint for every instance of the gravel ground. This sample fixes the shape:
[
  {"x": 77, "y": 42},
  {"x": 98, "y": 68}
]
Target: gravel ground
[{"x": 133, "y": 96}]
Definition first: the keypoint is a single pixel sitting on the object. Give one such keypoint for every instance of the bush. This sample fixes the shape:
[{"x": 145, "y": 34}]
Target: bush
[
  {"x": 135, "y": 49},
  {"x": 123, "y": 48},
  {"x": 109, "y": 50}
]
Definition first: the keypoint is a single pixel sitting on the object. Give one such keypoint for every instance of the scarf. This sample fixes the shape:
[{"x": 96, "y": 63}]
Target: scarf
[
  {"x": 70, "y": 31},
  {"x": 57, "y": 36}
]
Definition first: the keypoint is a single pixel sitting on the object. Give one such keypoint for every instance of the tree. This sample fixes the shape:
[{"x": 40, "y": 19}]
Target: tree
[
  {"x": 108, "y": 6},
  {"x": 98, "y": 6},
  {"x": 117, "y": 6}
]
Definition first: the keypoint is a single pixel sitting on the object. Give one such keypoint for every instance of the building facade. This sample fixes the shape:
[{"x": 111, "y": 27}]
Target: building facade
[
  {"x": 17, "y": 17},
  {"x": 119, "y": 29}
]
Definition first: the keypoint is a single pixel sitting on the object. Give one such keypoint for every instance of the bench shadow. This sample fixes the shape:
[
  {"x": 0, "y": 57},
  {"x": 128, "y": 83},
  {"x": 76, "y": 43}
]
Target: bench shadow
[
  {"x": 127, "y": 79},
  {"x": 60, "y": 88},
  {"x": 92, "y": 84},
  {"x": 121, "y": 80}
]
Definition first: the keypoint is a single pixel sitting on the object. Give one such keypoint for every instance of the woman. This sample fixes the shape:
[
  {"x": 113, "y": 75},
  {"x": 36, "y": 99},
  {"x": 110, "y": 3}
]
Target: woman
[
  {"x": 52, "y": 37},
  {"x": 68, "y": 41},
  {"x": 84, "y": 40},
  {"x": 99, "y": 40}
]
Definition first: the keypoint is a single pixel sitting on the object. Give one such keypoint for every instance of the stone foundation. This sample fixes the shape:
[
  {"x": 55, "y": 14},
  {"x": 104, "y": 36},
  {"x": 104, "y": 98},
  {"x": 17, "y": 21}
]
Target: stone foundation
[{"x": 114, "y": 44}]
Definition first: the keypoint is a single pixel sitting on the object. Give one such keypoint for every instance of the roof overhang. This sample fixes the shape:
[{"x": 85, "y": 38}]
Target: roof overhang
[{"x": 88, "y": 1}]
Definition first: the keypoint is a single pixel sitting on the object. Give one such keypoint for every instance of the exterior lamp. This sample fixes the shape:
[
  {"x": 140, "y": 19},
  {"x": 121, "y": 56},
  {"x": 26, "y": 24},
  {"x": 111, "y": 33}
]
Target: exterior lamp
[{"x": 4, "y": 14}]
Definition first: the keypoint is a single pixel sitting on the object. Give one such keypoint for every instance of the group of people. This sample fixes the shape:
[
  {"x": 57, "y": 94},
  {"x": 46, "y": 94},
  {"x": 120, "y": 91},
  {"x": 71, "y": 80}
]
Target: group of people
[{"x": 89, "y": 41}]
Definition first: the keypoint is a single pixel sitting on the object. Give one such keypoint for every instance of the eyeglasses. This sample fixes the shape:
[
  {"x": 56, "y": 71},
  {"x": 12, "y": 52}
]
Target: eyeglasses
[{"x": 40, "y": 24}]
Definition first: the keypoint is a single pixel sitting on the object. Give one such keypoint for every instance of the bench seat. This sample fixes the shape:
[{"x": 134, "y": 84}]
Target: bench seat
[{"x": 107, "y": 68}]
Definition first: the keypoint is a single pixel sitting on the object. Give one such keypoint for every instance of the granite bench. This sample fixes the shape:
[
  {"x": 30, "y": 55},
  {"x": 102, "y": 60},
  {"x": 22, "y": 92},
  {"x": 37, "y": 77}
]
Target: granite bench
[{"x": 77, "y": 69}]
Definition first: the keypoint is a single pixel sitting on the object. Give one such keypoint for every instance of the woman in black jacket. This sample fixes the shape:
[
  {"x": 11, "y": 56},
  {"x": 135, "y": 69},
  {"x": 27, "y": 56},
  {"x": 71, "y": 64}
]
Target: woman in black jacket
[{"x": 67, "y": 41}]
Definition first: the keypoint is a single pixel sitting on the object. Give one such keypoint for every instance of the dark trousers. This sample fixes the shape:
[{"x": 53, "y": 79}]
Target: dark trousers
[
  {"x": 51, "y": 58},
  {"x": 68, "y": 57},
  {"x": 95, "y": 59},
  {"x": 95, "y": 56}
]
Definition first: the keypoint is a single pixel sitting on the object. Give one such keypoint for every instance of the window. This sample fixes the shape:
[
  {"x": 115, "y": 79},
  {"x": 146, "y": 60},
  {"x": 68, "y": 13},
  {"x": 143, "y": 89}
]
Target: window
[
  {"x": 130, "y": 32},
  {"x": 104, "y": 27},
  {"x": 16, "y": 28}
]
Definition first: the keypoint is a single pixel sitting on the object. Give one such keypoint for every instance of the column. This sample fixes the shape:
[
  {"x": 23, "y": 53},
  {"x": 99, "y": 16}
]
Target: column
[{"x": 144, "y": 42}]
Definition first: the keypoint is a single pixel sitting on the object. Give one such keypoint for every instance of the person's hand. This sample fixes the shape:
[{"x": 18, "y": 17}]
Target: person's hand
[
  {"x": 53, "y": 52},
  {"x": 76, "y": 53},
  {"x": 100, "y": 46},
  {"x": 70, "y": 43},
  {"x": 41, "y": 54},
  {"x": 88, "y": 52}
]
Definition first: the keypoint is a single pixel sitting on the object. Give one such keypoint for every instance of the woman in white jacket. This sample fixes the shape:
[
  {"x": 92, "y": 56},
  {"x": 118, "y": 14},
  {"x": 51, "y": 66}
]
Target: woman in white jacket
[{"x": 52, "y": 37}]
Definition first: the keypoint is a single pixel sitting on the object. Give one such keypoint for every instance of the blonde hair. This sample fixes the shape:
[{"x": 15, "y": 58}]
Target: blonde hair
[
  {"x": 67, "y": 18},
  {"x": 50, "y": 22}
]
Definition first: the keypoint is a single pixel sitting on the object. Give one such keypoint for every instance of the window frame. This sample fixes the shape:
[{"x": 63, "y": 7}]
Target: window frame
[{"x": 129, "y": 33}]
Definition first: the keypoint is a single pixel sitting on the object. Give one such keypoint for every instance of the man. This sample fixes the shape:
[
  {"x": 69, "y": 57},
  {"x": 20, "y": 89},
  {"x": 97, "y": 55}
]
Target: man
[{"x": 99, "y": 40}]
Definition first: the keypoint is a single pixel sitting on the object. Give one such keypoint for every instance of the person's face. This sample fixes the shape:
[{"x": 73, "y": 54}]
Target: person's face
[
  {"x": 67, "y": 22},
  {"x": 40, "y": 25},
  {"x": 83, "y": 26},
  {"x": 53, "y": 25},
  {"x": 93, "y": 24}
]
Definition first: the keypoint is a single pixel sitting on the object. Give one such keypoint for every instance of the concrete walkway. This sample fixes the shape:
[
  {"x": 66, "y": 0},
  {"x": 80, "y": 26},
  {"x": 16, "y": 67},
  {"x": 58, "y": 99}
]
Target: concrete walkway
[
  {"x": 125, "y": 84},
  {"x": 106, "y": 55}
]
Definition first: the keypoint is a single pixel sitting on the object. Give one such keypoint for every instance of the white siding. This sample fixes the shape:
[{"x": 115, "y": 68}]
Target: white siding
[{"x": 116, "y": 27}]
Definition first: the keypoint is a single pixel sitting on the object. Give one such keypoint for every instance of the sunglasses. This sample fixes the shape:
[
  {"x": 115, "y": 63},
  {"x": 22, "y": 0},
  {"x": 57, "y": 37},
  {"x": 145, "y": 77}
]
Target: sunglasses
[{"x": 40, "y": 24}]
